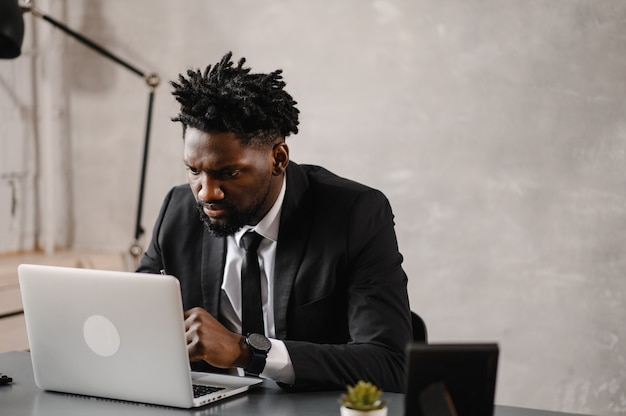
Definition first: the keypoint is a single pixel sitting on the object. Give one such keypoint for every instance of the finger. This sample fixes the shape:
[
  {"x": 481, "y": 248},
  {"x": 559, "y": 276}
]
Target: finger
[
  {"x": 194, "y": 350},
  {"x": 190, "y": 318},
  {"x": 191, "y": 329},
  {"x": 193, "y": 354},
  {"x": 195, "y": 310}
]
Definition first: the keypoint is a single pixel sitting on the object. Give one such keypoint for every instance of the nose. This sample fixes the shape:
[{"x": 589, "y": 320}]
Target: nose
[{"x": 209, "y": 189}]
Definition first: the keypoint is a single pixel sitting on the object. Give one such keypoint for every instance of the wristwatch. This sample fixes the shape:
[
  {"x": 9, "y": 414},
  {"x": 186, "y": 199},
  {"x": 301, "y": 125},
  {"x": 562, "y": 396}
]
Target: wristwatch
[{"x": 259, "y": 346}]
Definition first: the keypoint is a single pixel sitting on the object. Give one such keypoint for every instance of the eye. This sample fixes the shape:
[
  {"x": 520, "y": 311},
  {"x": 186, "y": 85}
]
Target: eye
[
  {"x": 193, "y": 171},
  {"x": 230, "y": 173}
]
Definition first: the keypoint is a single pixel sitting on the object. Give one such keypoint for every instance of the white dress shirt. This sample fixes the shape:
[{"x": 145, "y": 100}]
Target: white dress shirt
[{"x": 278, "y": 366}]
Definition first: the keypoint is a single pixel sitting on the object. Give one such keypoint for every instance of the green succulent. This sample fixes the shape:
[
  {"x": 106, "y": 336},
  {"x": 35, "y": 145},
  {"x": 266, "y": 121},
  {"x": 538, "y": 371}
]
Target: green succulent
[{"x": 362, "y": 396}]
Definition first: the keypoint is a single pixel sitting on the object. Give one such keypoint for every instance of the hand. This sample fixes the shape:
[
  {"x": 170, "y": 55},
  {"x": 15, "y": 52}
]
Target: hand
[{"x": 210, "y": 341}]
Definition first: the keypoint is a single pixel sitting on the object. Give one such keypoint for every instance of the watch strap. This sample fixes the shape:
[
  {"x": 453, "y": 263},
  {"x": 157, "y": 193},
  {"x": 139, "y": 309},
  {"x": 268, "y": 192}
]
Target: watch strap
[{"x": 257, "y": 362}]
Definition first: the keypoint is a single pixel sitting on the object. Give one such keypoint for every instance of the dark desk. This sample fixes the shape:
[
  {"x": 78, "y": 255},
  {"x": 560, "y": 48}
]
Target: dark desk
[{"x": 22, "y": 397}]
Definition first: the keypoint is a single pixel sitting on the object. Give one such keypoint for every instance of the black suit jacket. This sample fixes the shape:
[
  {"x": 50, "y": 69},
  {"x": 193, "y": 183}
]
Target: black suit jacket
[{"x": 341, "y": 304}]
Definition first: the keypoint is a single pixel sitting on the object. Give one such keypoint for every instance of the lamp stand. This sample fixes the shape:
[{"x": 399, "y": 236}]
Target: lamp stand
[{"x": 152, "y": 80}]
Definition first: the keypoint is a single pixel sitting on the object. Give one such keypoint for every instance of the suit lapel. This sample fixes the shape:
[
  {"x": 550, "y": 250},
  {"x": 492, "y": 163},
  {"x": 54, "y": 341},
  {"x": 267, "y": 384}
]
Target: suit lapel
[
  {"x": 295, "y": 226},
  {"x": 212, "y": 271}
]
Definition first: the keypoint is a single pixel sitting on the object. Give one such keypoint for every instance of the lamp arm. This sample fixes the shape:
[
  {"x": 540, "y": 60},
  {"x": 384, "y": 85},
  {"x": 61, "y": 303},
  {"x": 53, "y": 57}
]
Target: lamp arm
[{"x": 152, "y": 80}]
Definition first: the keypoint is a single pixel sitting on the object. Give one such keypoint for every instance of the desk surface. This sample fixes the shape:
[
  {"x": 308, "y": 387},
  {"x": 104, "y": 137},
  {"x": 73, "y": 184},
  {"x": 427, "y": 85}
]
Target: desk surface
[{"x": 23, "y": 397}]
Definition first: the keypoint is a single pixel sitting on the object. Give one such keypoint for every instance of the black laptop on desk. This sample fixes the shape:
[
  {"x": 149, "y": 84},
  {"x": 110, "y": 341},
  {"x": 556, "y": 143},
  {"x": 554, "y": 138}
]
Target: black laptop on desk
[{"x": 451, "y": 379}]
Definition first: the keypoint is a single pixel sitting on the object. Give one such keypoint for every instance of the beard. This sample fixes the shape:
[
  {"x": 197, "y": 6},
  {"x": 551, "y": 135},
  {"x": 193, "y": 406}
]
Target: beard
[{"x": 237, "y": 218}]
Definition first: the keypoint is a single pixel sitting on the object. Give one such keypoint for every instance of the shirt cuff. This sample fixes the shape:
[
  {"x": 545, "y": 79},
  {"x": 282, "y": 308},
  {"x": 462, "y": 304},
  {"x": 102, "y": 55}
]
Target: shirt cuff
[{"x": 278, "y": 366}]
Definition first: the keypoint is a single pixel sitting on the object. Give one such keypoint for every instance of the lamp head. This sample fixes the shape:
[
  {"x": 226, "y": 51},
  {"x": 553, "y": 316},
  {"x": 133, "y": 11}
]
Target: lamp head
[{"x": 11, "y": 29}]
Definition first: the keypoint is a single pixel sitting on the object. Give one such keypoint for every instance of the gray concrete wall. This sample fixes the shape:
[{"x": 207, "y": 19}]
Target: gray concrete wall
[{"x": 496, "y": 128}]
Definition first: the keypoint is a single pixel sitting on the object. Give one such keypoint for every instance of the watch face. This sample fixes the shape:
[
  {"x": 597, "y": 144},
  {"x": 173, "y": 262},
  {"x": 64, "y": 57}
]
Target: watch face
[{"x": 259, "y": 342}]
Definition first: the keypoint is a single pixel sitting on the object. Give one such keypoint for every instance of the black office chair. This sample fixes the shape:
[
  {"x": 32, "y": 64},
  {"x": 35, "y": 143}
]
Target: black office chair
[{"x": 419, "y": 329}]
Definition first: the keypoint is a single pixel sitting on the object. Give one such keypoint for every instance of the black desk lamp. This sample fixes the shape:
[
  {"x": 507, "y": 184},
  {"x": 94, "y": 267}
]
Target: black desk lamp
[{"x": 11, "y": 37}]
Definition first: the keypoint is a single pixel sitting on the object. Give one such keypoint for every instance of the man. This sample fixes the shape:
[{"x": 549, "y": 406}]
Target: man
[{"x": 333, "y": 307}]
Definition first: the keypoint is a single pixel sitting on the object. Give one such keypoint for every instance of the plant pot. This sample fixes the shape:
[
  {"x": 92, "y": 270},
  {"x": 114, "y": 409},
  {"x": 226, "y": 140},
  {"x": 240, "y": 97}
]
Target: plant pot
[{"x": 352, "y": 412}]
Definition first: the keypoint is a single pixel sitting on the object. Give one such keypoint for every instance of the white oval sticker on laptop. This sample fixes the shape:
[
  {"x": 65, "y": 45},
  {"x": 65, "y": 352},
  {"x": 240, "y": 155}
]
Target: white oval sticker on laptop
[{"x": 101, "y": 335}]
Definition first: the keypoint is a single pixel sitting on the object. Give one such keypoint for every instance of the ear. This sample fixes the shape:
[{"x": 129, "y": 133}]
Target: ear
[{"x": 280, "y": 153}]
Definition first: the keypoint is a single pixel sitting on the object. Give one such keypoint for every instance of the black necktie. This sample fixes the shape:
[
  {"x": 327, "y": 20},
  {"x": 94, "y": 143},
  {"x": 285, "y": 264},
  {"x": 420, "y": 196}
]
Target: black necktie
[{"x": 251, "y": 306}]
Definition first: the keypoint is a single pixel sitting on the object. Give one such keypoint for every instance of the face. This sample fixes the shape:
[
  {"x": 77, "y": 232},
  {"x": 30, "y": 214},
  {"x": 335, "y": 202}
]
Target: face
[{"x": 234, "y": 184}]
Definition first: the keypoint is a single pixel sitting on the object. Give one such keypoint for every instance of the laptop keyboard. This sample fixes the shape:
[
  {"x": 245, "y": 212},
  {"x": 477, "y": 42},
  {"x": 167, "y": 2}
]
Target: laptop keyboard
[{"x": 200, "y": 390}]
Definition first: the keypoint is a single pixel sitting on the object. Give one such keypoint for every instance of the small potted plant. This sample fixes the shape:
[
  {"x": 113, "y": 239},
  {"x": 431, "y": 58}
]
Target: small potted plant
[{"x": 363, "y": 399}]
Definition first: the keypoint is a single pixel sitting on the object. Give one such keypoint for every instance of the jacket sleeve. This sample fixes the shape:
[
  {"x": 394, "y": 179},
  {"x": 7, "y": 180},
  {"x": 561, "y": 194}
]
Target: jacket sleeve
[
  {"x": 176, "y": 244},
  {"x": 374, "y": 293}
]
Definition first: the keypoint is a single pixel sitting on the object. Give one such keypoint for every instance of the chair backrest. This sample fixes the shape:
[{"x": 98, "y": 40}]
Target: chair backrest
[{"x": 420, "y": 334}]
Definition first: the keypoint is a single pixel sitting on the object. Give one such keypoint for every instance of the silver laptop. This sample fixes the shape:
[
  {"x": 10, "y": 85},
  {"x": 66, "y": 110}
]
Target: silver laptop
[{"x": 116, "y": 335}]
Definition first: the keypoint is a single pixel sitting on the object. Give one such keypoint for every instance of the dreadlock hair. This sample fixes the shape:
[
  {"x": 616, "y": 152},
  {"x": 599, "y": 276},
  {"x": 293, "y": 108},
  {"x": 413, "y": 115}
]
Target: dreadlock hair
[{"x": 230, "y": 99}]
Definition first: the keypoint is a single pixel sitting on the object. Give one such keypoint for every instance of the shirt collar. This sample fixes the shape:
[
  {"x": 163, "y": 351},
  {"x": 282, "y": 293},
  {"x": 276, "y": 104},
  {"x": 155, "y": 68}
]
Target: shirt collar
[{"x": 269, "y": 225}]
